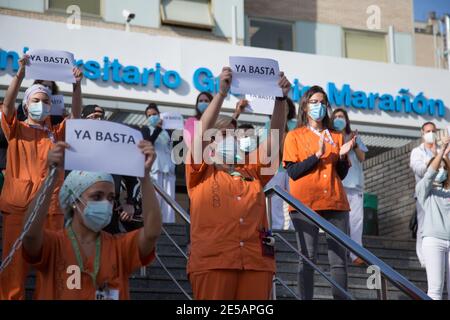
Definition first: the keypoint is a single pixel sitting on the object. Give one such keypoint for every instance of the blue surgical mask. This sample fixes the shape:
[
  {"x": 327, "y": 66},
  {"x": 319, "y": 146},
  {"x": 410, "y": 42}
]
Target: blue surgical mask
[
  {"x": 153, "y": 120},
  {"x": 201, "y": 106},
  {"x": 226, "y": 150},
  {"x": 38, "y": 111},
  {"x": 317, "y": 111},
  {"x": 97, "y": 214},
  {"x": 248, "y": 144},
  {"x": 441, "y": 176},
  {"x": 339, "y": 124}
]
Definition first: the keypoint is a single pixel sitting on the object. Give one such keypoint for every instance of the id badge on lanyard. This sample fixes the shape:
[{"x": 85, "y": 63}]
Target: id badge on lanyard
[
  {"x": 50, "y": 134},
  {"x": 327, "y": 138}
]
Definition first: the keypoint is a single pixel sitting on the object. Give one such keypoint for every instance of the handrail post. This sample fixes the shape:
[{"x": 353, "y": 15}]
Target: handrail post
[
  {"x": 269, "y": 211},
  {"x": 143, "y": 271},
  {"x": 382, "y": 292},
  {"x": 274, "y": 288}
]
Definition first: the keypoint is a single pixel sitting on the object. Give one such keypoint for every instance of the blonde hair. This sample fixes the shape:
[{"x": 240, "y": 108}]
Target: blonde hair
[{"x": 224, "y": 121}]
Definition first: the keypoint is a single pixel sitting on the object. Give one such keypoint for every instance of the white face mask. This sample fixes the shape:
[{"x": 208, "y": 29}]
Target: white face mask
[
  {"x": 226, "y": 150},
  {"x": 430, "y": 137}
]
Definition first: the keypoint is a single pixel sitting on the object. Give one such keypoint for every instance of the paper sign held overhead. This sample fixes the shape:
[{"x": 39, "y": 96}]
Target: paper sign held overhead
[
  {"x": 172, "y": 121},
  {"x": 103, "y": 146},
  {"x": 260, "y": 104},
  {"x": 255, "y": 76},
  {"x": 57, "y": 105},
  {"x": 50, "y": 65}
]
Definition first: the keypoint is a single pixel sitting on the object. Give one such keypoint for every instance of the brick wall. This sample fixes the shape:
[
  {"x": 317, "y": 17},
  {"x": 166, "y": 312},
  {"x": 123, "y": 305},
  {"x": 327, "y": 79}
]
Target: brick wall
[{"x": 389, "y": 177}]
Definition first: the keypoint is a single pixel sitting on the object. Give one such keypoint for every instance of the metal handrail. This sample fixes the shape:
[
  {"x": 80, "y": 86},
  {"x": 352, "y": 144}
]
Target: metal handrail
[
  {"x": 315, "y": 267},
  {"x": 180, "y": 211},
  {"x": 172, "y": 277},
  {"x": 283, "y": 284},
  {"x": 175, "y": 205},
  {"x": 390, "y": 274}
]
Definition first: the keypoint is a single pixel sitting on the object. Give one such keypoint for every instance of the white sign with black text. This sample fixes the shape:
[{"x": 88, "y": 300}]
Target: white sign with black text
[
  {"x": 256, "y": 76},
  {"x": 172, "y": 121},
  {"x": 57, "y": 105},
  {"x": 103, "y": 146},
  {"x": 50, "y": 65},
  {"x": 260, "y": 104}
]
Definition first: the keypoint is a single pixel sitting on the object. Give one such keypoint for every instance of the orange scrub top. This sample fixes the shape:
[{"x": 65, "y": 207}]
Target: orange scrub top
[
  {"x": 227, "y": 214},
  {"x": 118, "y": 259},
  {"x": 321, "y": 188},
  {"x": 26, "y": 164}
]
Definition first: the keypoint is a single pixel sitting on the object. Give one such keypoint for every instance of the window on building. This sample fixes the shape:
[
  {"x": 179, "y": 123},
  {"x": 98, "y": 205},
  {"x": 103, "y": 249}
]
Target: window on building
[
  {"x": 91, "y": 7},
  {"x": 366, "y": 45},
  {"x": 271, "y": 34},
  {"x": 190, "y": 13}
]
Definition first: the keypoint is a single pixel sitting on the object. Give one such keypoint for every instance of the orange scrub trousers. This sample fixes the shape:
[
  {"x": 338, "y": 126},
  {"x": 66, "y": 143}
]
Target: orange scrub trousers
[{"x": 228, "y": 212}]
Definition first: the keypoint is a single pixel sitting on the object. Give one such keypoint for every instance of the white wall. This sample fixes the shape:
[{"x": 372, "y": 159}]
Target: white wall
[{"x": 26, "y": 5}]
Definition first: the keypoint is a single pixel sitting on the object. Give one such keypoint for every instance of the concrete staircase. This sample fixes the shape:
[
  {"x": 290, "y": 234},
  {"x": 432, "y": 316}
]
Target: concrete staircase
[{"x": 400, "y": 254}]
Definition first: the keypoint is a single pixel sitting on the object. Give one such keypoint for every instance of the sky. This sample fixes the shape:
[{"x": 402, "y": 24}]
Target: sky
[{"x": 423, "y": 7}]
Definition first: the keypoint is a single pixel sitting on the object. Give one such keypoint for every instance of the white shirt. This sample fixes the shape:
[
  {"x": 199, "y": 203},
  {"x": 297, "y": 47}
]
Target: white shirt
[{"x": 420, "y": 157}]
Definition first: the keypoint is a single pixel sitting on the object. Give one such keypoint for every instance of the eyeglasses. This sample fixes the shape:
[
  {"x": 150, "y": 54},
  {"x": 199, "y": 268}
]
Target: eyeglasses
[
  {"x": 314, "y": 101},
  {"x": 96, "y": 116}
]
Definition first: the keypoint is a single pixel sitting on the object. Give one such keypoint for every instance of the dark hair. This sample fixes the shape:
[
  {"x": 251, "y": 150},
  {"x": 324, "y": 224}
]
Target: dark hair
[
  {"x": 348, "y": 129},
  {"x": 55, "y": 88},
  {"x": 150, "y": 106},
  {"x": 210, "y": 97},
  {"x": 246, "y": 126},
  {"x": 446, "y": 167},
  {"x": 427, "y": 123},
  {"x": 89, "y": 109},
  {"x": 303, "y": 114},
  {"x": 292, "y": 113}
]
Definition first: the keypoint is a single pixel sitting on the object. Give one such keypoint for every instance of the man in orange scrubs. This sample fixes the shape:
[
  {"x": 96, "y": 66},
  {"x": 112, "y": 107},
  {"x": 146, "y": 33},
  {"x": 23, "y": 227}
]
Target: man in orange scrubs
[{"x": 29, "y": 142}]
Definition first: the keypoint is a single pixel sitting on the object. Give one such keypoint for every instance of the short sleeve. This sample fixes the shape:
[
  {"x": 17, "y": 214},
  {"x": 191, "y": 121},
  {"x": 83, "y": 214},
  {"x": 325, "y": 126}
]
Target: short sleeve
[
  {"x": 9, "y": 127},
  {"x": 129, "y": 251},
  {"x": 49, "y": 245}
]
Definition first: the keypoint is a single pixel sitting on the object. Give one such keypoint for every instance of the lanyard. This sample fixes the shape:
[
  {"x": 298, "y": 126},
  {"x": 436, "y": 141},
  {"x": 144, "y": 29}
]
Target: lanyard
[
  {"x": 328, "y": 137},
  {"x": 49, "y": 133},
  {"x": 77, "y": 252}
]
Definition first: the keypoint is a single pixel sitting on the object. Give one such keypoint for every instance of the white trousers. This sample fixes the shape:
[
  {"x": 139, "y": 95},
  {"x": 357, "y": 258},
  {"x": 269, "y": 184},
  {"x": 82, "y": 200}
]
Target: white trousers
[
  {"x": 167, "y": 182},
  {"x": 437, "y": 260},
  {"x": 356, "y": 216},
  {"x": 419, "y": 246},
  {"x": 280, "y": 209}
]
